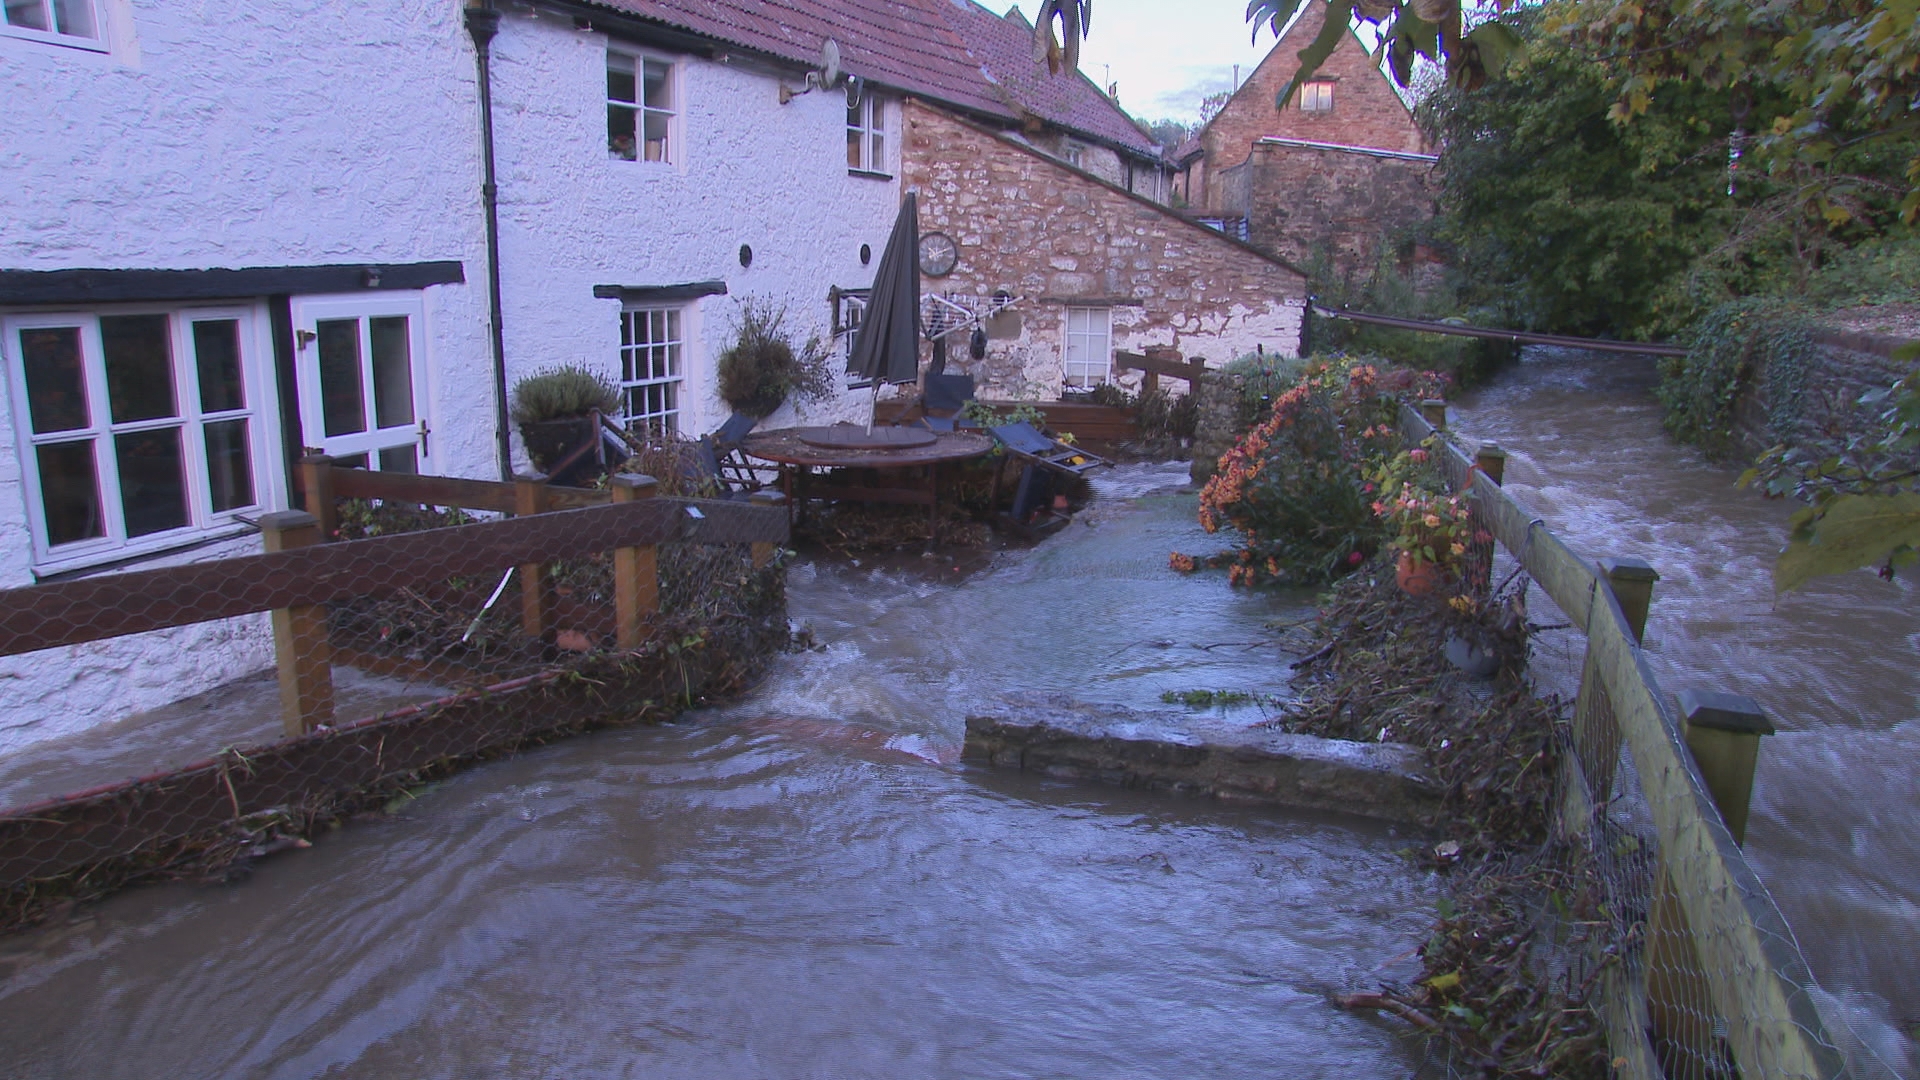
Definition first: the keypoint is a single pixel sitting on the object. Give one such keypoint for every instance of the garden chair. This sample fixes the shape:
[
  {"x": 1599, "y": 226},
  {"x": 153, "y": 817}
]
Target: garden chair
[{"x": 1029, "y": 445}]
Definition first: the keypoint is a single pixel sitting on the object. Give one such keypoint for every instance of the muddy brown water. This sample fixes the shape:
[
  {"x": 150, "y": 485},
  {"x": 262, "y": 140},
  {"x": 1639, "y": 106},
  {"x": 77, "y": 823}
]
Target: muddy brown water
[
  {"x": 805, "y": 883},
  {"x": 1835, "y": 829}
]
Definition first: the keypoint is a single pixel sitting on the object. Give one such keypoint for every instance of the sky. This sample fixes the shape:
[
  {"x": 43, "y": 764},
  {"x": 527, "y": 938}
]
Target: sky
[{"x": 1165, "y": 54}]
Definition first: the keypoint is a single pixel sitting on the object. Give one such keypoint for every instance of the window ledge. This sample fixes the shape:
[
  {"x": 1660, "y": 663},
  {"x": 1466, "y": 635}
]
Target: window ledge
[
  {"x": 48, "y": 37},
  {"x": 99, "y": 562},
  {"x": 869, "y": 174}
]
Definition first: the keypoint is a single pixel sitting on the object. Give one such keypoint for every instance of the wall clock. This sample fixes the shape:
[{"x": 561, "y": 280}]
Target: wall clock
[{"x": 938, "y": 254}]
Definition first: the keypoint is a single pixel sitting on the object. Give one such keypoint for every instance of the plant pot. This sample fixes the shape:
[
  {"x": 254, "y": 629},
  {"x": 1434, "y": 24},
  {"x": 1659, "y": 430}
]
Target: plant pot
[
  {"x": 1418, "y": 578},
  {"x": 550, "y": 441}
]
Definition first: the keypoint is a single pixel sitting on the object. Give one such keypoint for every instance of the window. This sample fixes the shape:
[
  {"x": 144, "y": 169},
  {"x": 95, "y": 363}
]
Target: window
[
  {"x": 867, "y": 135},
  {"x": 361, "y": 365},
  {"x": 1073, "y": 153},
  {"x": 849, "y": 311},
  {"x": 650, "y": 368},
  {"x": 69, "y": 22},
  {"x": 640, "y": 108},
  {"x": 136, "y": 429},
  {"x": 1089, "y": 346},
  {"x": 1317, "y": 96}
]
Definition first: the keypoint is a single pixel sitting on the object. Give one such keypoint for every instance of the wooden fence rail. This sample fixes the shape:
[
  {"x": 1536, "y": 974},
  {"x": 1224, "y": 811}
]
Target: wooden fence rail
[{"x": 1753, "y": 971}]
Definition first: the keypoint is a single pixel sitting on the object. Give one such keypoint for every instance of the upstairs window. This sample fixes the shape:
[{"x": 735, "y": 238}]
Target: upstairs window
[
  {"x": 70, "y": 22},
  {"x": 1074, "y": 154},
  {"x": 1317, "y": 96},
  {"x": 1089, "y": 358},
  {"x": 640, "y": 108},
  {"x": 867, "y": 136}
]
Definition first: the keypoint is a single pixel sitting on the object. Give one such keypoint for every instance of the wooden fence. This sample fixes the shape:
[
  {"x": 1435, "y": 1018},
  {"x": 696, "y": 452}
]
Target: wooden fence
[
  {"x": 299, "y": 572},
  {"x": 1712, "y": 969}
]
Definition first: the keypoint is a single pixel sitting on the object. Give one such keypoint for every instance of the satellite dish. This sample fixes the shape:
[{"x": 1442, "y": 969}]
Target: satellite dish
[{"x": 829, "y": 63}]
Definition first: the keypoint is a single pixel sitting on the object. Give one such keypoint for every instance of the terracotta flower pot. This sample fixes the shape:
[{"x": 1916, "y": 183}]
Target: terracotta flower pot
[{"x": 1417, "y": 578}]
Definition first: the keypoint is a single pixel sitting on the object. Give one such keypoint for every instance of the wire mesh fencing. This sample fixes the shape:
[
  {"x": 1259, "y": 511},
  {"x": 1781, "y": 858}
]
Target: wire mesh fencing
[
  {"x": 1643, "y": 908},
  {"x": 582, "y": 609}
]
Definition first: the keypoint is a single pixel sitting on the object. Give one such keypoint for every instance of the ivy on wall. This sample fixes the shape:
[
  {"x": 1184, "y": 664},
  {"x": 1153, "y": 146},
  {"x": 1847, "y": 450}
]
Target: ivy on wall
[{"x": 1727, "y": 349}]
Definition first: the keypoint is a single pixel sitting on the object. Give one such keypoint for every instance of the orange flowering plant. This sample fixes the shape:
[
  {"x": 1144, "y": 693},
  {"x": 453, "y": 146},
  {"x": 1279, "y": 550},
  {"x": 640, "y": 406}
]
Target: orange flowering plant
[
  {"x": 1429, "y": 523},
  {"x": 1299, "y": 487}
]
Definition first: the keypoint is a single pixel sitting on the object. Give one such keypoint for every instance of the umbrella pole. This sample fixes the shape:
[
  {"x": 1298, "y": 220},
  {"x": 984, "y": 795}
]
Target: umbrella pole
[{"x": 873, "y": 412}]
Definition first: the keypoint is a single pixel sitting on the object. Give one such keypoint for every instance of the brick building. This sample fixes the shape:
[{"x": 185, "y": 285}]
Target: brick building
[{"x": 1331, "y": 170}]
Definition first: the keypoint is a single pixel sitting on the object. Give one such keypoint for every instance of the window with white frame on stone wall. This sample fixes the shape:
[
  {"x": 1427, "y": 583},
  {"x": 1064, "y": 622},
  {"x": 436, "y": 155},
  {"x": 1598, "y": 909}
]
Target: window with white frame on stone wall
[
  {"x": 65, "y": 22},
  {"x": 1316, "y": 95},
  {"x": 138, "y": 430},
  {"x": 651, "y": 369},
  {"x": 867, "y": 135},
  {"x": 849, "y": 311},
  {"x": 642, "y": 108},
  {"x": 1089, "y": 352}
]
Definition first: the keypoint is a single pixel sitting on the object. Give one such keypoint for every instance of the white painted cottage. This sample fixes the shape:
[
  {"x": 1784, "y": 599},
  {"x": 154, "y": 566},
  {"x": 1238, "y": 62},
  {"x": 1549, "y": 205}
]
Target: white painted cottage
[{"x": 237, "y": 229}]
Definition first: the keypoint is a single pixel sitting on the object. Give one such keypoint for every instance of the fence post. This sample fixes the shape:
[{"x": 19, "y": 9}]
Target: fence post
[
  {"x": 1724, "y": 732},
  {"x": 763, "y": 549},
  {"x": 1435, "y": 411},
  {"x": 1596, "y": 734},
  {"x": 301, "y": 650},
  {"x": 1492, "y": 460},
  {"x": 316, "y": 480},
  {"x": 530, "y": 497},
  {"x": 636, "y": 570}
]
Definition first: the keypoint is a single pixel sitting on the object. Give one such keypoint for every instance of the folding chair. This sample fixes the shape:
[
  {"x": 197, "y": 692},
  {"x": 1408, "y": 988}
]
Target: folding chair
[{"x": 1030, "y": 445}]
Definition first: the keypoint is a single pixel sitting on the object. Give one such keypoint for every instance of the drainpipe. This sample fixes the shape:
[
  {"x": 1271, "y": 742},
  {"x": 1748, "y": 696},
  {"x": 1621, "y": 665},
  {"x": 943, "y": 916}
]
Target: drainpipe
[{"x": 482, "y": 24}]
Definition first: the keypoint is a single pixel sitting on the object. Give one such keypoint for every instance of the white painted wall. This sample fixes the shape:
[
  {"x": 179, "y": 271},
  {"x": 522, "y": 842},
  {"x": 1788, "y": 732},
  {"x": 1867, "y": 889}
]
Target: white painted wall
[
  {"x": 752, "y": 171},
  {"x": 236, "y": 133}
]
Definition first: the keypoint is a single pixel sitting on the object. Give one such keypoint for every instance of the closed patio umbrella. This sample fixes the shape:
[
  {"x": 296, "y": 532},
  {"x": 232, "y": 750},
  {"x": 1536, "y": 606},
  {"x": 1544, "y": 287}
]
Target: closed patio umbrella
[{"x": 887, "y": 349}]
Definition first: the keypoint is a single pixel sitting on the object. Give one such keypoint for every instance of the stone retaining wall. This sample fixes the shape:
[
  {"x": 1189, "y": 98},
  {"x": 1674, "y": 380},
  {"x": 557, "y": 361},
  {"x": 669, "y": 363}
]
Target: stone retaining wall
[
  {"x": 1195, "y": 755},
  {"x": 1826, "y": 409}
]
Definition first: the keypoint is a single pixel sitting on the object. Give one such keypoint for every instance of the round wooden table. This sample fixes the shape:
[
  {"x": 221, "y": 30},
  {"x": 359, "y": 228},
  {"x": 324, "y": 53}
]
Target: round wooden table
[{"x": 801, "y": 451}]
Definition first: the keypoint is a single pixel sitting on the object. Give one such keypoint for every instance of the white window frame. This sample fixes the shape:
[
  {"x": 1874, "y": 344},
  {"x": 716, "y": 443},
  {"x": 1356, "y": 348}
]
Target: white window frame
[
  {"x": 867, "y": 132},
  {"x": 1316, "y": 96},
  {"x": 1074, "y": 154},
  {"x": 640, "y": 378},
  {"x": 93, "y": 38},
  {"x": 670, "y": 153},
  {"x": 1093, "y": 337},
  {"x": 203, "y": 523},
  {"x": 308, "y": 311},
  {"x": 849, "y": 312}
]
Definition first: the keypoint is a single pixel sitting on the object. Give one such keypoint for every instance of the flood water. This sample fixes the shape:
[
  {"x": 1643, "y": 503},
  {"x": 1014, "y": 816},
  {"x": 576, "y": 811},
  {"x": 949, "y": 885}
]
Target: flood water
[
  {"x": 805, "y": 883},
  {"x": 1835, "y": 826}
]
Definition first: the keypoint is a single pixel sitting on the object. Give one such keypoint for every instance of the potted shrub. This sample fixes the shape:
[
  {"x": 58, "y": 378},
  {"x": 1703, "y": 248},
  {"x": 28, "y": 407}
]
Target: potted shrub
[
  {"x": 1431, "y": 526},
  {"x": 557, "y": 410},
  {"x": 761, "y": 369}
]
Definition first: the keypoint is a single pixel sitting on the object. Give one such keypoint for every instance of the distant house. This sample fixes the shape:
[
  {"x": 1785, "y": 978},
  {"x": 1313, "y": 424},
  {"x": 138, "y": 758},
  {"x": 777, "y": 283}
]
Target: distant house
[
  {"x": 1321, "y": 176},
  {"x": 229, "y": 241}
]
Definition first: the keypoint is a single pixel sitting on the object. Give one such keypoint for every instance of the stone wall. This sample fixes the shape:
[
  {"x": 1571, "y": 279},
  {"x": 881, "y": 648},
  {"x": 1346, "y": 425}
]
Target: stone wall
[
  {"x": 1056, "y": 237},
  {"x": 1217, "y": 425},
  {"x": 1301, "y": 200},
  {"x": 1826, "y": 411}
]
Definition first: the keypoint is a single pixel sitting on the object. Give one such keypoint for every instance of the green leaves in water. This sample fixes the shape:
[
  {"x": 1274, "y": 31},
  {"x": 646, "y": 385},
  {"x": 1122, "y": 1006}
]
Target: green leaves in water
[{"x": 1208, "y": 699}]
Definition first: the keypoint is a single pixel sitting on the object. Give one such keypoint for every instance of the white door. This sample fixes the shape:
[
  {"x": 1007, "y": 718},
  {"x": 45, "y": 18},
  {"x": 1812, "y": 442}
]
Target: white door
[{"x": 361, "y": 362}]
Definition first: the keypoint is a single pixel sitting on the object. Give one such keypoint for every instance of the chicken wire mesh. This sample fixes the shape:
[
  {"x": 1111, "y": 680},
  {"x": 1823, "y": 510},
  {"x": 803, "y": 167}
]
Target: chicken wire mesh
[
  {"x": 1673, "y": 945},
  {"x": 514, "y": 630}
]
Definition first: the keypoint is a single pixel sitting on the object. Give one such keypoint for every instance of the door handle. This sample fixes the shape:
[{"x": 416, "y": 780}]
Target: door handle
[{"x": 424, "y": 431}]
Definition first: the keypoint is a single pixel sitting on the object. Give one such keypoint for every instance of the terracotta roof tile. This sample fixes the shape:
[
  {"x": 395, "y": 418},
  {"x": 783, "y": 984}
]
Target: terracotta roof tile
[{"x": 951, "y": 51}]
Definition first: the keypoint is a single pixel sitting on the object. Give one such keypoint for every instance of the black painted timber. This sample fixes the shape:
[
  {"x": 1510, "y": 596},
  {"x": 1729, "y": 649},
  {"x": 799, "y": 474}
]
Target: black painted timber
[{"x": 99, "y": 286}]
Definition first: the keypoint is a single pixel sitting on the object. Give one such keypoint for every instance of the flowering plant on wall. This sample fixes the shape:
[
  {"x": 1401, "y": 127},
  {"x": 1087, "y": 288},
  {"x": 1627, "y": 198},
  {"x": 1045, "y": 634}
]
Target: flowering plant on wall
[
  {"x": 1299, "y": 488},
  {"x": 1429, "y": 524}
]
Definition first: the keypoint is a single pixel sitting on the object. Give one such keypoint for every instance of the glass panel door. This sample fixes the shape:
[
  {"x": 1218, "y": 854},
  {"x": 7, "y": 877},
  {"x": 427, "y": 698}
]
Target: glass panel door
[{"x": 362, "y": 380}]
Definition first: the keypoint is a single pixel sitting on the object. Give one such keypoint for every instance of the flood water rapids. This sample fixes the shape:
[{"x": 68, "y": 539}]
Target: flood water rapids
[
  {"x": 806, "y": 882},
  {"x": 1835, "y": 827},
  {"x": 803, "y": 883}
]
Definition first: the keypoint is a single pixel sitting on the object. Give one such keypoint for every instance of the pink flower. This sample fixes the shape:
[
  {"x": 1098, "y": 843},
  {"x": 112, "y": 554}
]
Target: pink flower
[
  {"x": 1353, "y": 559},
  {"x": 1417, "y": 454}
]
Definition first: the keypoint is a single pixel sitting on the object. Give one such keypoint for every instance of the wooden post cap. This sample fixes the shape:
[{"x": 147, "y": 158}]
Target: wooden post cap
[
  {"x": 287, "y": 520},
  {"x": 1719, "y": 711},
  {"x": 1490, "y": 450},
  {"x": 1628, "y": 569},
  {"x": 637, "y": 485}
]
